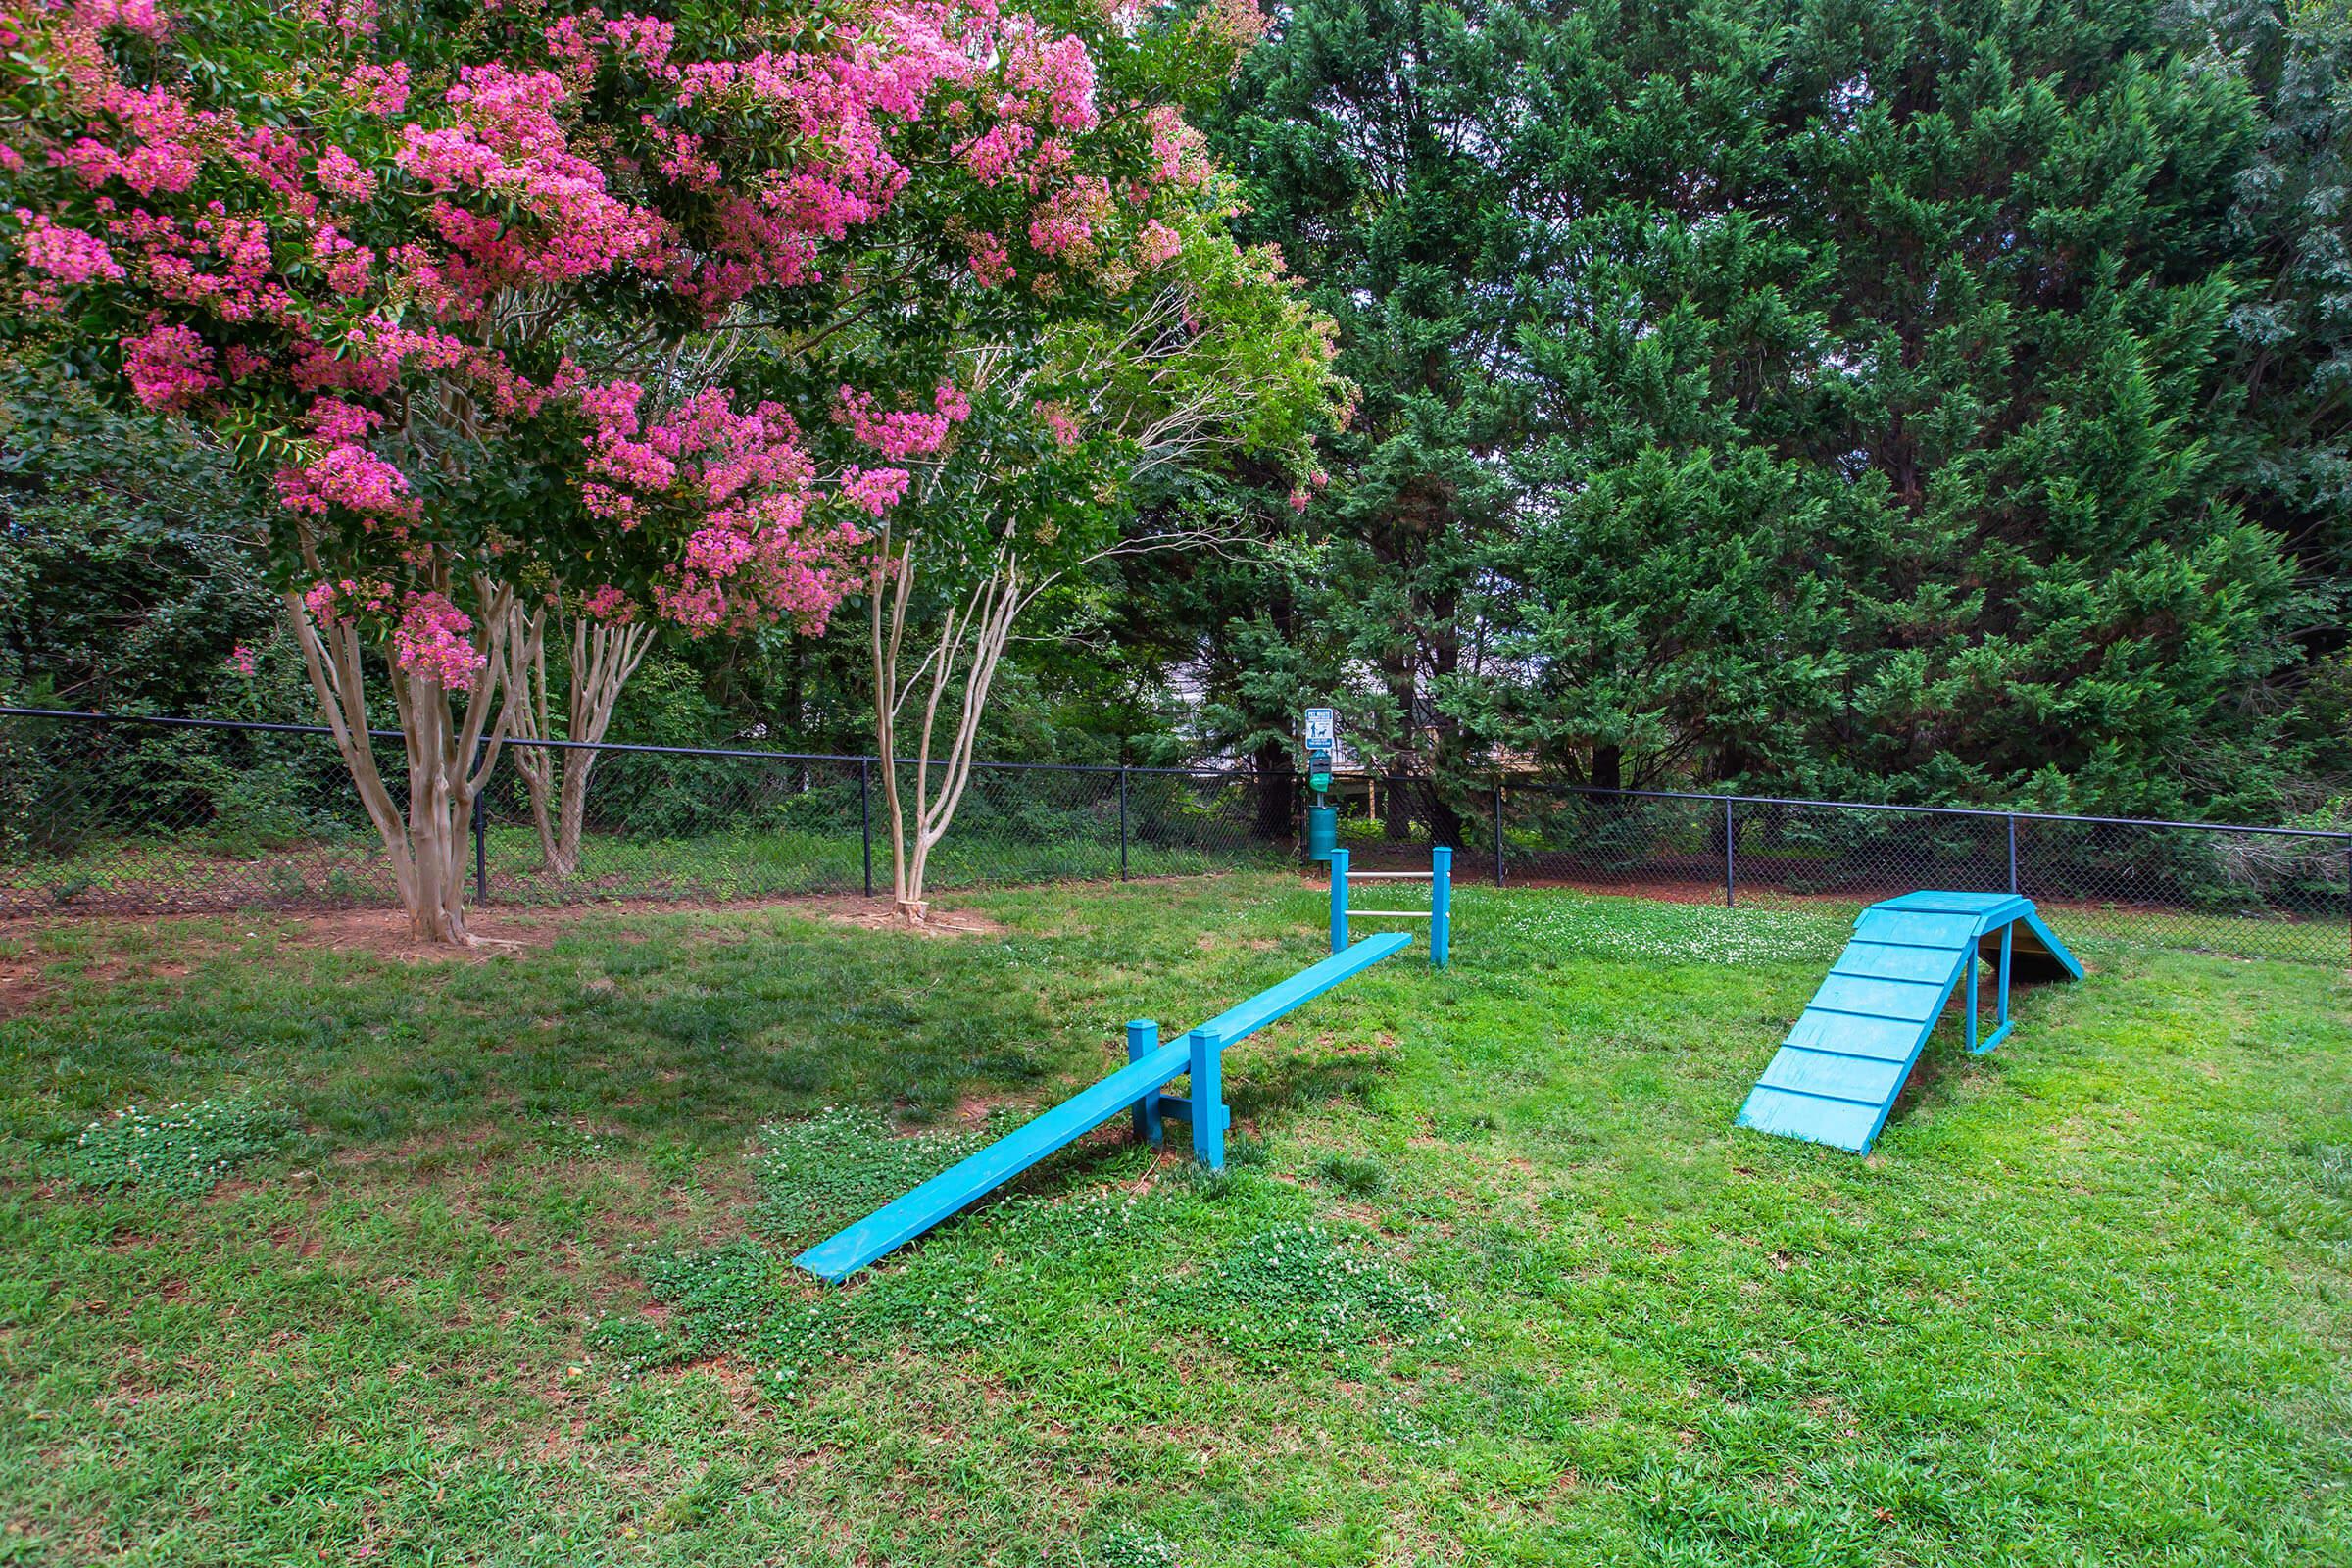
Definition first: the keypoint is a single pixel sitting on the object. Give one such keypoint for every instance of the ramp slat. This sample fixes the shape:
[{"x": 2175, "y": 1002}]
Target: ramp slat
[
  {"x": 1814, "y": 1072},
  {"x": 1880, "y": 960},
  {"x": 1886, "y": 999},
  {"x": 1887, "y": 1039},
  {"x": 1833, "y": 1122},
  {"x": 1910, "y": 929}
]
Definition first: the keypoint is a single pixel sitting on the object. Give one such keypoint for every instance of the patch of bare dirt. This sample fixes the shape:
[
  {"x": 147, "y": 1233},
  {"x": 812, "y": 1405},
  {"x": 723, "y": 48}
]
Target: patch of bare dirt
[
  {"x": 385, "y": 934},
  {"x": 878, "y": 914}
]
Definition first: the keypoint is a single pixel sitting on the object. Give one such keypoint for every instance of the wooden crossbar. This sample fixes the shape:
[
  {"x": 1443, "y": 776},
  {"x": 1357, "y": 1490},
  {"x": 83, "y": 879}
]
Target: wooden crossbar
[
  {"x": 1392, "y": 876},
  {"x": 1393, "y": 914}
]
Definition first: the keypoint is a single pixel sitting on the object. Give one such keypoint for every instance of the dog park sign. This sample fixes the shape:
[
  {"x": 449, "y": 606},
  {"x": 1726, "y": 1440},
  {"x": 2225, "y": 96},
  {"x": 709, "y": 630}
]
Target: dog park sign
[{"x": 1320, "y": 731}]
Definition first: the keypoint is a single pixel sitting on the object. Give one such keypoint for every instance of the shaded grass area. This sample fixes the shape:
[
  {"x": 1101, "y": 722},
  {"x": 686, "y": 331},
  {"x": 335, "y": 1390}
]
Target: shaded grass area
[{"x": 1491, "y": 1277}]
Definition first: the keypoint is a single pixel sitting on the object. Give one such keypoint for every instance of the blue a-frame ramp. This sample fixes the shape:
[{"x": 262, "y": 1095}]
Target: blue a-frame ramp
[
  {"x": 1838, "y": 1074},
  {"x": 1137, "y": 1084}
]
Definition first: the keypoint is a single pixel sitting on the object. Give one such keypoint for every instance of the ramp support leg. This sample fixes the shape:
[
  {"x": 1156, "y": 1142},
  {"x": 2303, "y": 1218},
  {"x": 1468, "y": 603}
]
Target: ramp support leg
[
  {"x": 2002, "y": 1022},
  {"x": 1209, "y": 1115},
  {"x": 2008, "y": 934},
  {"x": 1143, "y": 1039},
  {"x": 1970, "y": 981}
]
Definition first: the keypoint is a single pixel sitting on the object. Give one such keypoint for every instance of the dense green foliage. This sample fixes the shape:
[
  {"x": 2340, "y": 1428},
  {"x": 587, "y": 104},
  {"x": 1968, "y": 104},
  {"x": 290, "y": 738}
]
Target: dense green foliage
[
  {"x": 1944, "y": 402},
  {"x": 1491, "y": 1277},
  {"x": 1939, "y": 400}
]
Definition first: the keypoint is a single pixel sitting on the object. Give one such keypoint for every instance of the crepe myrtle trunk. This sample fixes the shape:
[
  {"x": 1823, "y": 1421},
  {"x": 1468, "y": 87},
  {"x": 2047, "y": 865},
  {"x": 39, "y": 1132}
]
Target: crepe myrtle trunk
[{"x": 450, "y": 748}]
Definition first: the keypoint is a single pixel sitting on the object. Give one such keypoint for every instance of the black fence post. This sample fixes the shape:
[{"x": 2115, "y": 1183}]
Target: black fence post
[
  {"x": 1122, "y": 821},
  {"x": 481, "y": 845},
  {"x": 1498, "y": 832},
  {"x": 1730, "y": 880},
  {"x": 865, "y": 810},
  {"x": 2013, "y": 851}
]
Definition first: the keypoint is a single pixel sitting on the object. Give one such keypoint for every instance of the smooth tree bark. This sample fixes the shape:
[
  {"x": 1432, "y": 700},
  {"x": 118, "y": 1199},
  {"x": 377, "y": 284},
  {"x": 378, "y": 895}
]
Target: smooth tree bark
[
  {"x": 556, "y": 779},
  {"x": 451, "y": 749}
]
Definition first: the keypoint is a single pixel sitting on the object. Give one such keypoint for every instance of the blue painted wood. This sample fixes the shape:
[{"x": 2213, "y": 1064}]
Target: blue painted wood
[
  {"x": 904, "y": 1218},
  {"x": 1839, "y": 1123},
  {"x": 2037, "y": 942},
  {"x": 1305, "y": 986},
  {"x": 1912, "y": 1000},
  {"x": 1817, "y": 1072},
  {"x": 1209, "y": 1114},
  {"x": 1914, "y": 928},
  {"x": 1838, "y": 1074},
  {"x": 1887, "y": 1039},
  {"x": 1339, "y": 902},
  {"x": 1878, "y": 961},
  {"x": 1441, "y": 906},
  {"x": 1143, "y": 1039}
]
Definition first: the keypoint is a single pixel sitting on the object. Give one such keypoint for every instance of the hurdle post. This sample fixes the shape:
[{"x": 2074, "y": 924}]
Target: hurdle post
[
  {"x": 1143, "y": 1039},
  {"x": 1339, "y": 901},
  {"x": 1209, "y": 1115},
  {"x": 1441, "y": 905}
]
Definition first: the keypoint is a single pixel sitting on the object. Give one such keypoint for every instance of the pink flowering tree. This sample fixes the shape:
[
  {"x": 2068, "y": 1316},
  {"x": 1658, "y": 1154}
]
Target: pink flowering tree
[
  {"x": 541, "y": 316},
  {"x": 1191, "y": 352}
]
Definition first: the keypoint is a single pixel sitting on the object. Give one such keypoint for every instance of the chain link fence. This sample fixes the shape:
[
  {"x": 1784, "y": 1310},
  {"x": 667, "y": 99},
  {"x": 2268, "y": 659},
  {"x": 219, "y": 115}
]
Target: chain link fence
[
  {"x": 146, "y": 816},
  {"x": 2250, "y": 892}
]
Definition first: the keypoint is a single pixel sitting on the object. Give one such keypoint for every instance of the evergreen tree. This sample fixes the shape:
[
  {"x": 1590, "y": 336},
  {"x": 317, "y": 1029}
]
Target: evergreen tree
[{"x": 1838, "y": 393}]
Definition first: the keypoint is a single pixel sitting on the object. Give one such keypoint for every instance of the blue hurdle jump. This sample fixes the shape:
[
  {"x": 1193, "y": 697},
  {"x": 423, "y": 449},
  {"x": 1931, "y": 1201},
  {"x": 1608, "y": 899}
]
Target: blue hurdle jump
[
  {"x": 1439, "y": 914},
  {"x": 1136, "y": 1087}
]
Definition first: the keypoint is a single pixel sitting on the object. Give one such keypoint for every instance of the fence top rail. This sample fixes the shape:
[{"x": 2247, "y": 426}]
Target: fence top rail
[
  {"x": 1235, "y": 774},
  {"x": 1947, "y": 810},
  {"x": 163, "y": 721}
]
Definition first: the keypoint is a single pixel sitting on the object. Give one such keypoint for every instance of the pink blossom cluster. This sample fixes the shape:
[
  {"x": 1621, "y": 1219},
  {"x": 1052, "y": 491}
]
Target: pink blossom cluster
[
  {"x": 154, "y": 154},
  {"x": 354, "y": 19},
  {"x": 342, "y": 175},
  {"x": 138, "y": 17},
  {"x": 213, "y": 261},
  {"x": 874, "y": 490},
  {"x": 604, "y": 167},
  {"x": 736, "y": 486},
  {"x": 609, "y": 605},
  {"x": 1064, "y": 223},
  {"x": 1180, "y": 154},
  {"x": 64, "y": 258},
  {"x": 510, "y": 146},
  {"x": 991, "y": 263},
  {"x": 434, "y": 641},
  {"x": 336, "y": 601},
  {"x": 241, "y": 660},
  {"x": 1053, "y": 77},
  {"x": 379, "y": 89},
  {"x": 903, "y": 432},
  {"x": 347, "y": 475},
  {"x": 1056, "y": 420},
  {"x": 1157, "y": 245},
  {"x": 168, "y": 367}
]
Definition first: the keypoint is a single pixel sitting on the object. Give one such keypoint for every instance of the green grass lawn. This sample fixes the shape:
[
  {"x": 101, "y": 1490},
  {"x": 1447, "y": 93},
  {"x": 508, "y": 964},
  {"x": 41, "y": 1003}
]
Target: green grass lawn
[{"x": 482, "y": 1262}]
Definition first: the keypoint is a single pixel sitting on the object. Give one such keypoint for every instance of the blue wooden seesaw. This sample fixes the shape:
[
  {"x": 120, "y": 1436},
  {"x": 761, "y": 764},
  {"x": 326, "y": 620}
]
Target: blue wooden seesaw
[
  {"x": 1136, "y": 1088},
  {"x": 1139, "y": 1088},
  {"x": 1836, "y": 1076}
]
